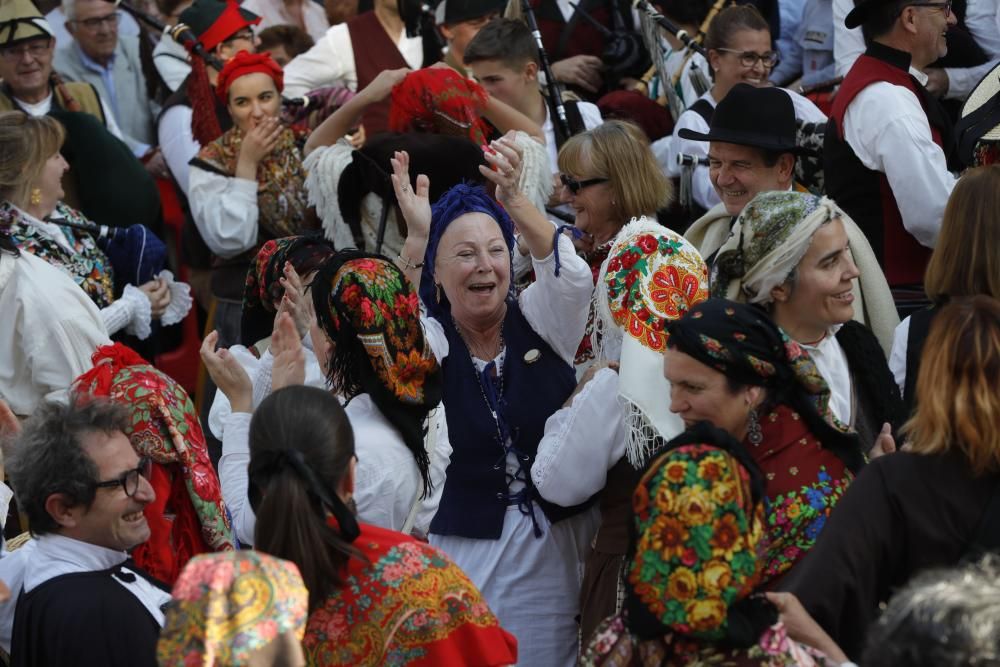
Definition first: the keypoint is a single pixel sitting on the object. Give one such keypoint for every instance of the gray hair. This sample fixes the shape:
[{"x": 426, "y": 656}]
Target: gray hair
[
  {"x": 944, "y": 618},
  {"x": 49, "y": 456},
  {"x": 69, "y": 7}
]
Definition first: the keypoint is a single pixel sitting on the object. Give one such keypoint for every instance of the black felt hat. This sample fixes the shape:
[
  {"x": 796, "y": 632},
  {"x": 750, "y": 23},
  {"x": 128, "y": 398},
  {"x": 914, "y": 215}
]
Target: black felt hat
[
  {"x": 750, "y": 116},
  {"x": 450, "y": 12},
  {"x": 861, "y": 10},
  {"x": 214, "y": 21}
]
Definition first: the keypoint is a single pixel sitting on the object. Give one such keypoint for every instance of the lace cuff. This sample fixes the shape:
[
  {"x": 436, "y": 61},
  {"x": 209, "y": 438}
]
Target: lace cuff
[
  {"x": 140, "y": 312},
  {"x": 180, "y": 299}
]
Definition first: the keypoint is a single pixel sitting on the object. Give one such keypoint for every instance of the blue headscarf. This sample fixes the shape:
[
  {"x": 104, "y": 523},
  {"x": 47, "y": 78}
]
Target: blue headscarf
[{"x": 456, "y": 202}]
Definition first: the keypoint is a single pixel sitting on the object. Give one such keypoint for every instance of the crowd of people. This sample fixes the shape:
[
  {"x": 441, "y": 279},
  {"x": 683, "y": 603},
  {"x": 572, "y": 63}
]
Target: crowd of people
[{"x": 482, "y": 333}]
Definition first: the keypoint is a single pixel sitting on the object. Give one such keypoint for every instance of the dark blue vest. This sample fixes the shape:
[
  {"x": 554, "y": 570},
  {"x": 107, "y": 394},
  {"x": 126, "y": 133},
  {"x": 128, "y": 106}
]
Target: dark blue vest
[{"x": 475, "y": 495}]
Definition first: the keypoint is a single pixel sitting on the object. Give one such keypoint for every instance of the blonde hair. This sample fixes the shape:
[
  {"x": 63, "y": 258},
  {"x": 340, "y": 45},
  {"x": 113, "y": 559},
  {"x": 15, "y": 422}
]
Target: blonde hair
[
  {"x": 619, "y": 151},
  {"x": 26, "y": 142},
  {"x": 958, "y": 402},
  {"x": 966, "y": 260}
]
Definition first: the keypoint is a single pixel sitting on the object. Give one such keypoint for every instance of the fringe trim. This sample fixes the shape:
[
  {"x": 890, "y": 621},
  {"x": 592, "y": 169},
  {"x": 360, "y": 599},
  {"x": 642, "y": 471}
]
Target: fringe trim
[
  {"x": 640, "y": 436},
  {"x": 324, "y": 167}
]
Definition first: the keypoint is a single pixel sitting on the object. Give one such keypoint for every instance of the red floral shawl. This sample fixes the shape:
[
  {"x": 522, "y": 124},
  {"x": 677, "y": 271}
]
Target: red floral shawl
[
  {"x": 163, "y": 425},
  {"x": 803, "y": 482},
  {"x": 407, "y": 605}
]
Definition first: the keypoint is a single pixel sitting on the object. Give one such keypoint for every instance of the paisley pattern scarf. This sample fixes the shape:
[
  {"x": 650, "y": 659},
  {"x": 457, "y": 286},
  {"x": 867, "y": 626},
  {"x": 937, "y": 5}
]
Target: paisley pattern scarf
[
  {"x": 227, "y": 606},
  {"x": 282, "y": 200}
]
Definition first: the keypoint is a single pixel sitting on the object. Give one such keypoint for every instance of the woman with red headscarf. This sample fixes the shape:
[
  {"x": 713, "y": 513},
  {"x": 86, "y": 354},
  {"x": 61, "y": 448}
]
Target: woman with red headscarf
[{"x": 247, "y": 186}]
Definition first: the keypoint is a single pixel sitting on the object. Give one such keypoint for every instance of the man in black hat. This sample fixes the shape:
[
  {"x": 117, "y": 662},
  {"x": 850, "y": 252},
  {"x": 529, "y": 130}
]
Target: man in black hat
[
  {"x": 889, "y": 151},
  {"x": 752, "y": 149},
  {"x": 461, "y": 20}
]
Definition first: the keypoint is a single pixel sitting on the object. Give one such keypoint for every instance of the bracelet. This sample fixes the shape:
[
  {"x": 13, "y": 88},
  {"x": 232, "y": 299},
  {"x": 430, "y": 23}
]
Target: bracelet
[{"x": 407, "y": 264}]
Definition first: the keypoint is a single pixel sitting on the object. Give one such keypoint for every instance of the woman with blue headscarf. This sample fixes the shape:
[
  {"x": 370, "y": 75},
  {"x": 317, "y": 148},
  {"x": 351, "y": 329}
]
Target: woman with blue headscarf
[{"x": 508, "y": 365}]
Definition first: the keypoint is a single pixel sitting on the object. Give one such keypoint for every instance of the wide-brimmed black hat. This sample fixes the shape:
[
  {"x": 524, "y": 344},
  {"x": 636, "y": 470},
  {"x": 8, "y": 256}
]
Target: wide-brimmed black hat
[
  {"x": 751, "y": 116},
  {"x": 450, "y": 12},
  {"x": 861, "y": 10}
]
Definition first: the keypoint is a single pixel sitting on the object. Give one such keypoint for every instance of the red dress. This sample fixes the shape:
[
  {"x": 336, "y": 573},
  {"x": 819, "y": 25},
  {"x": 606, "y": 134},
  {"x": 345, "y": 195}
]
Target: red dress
[{"x": 407, "y": 605}]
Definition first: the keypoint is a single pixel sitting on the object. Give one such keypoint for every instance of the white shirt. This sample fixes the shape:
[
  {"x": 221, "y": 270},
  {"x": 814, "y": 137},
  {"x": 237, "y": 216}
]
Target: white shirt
[
  {"x": 582, "y": 441},
  {"x": 899, "y": 144},
  {"x": 897, "y": 356},
  {"x": 831, "y": 362},
  {"x": 225, "y": 211},
  {"x": 982, "y": 18},
  {"x": 171, "y": 61},
  {"x": 177, "y": 142},
  {"x": 330, "y": 62},
  {"x": 847, "y": 44},
  {"x": 667, "y": 149},
  {"x": 274, "y": 12},
  {"x": 51, "y": 329},
  {"x": 386, "y": 483},
  {"x": 591, "y": 116}
]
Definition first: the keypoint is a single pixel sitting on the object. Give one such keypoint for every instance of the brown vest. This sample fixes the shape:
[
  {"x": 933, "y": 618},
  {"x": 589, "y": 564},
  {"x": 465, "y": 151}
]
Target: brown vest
[{"x": 374, "y": 51}]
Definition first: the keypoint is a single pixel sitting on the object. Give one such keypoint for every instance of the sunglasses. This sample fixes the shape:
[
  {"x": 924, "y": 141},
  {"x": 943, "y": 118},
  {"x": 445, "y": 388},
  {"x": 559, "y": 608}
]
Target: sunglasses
[
  {"x": 129, "y": 480},
  {"x": 575, "y": 186}
]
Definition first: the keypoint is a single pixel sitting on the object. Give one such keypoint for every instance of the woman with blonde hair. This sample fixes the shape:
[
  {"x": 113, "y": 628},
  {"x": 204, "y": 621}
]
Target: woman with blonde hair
[
  {"x": 609, "y": 177},
  {"x": 965, "y": 262},
  {"x": 930, "y": 506}
]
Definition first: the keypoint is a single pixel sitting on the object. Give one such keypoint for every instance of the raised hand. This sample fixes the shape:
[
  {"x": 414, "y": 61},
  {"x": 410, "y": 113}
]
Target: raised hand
[
  {"x": 227, "y": 374},
  {"x": 504, "y": 158},
  {"x": 413, "y": 202},
  {"x": 289, "y": 357},
  {"x": 158, "y": 293},
  {"x": 295, "y": 302},
  {"x": 257, "y": 144}
]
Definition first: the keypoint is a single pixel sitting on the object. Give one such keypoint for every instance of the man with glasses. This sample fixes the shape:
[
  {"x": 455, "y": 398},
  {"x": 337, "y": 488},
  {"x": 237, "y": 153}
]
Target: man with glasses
[
  {"x": 889, "y": 153},
  {"x": 100, "y": 55},
  {"x": 83, "y": 489}
]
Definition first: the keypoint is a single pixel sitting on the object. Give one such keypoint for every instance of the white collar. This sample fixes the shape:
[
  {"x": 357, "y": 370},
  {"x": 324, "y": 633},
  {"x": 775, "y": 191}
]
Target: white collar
[
  {"x": 831, "y": 334},
  {"x": 918, "y": 75},
  {"x": 37, "y": 108},
  {"x": 57, "y": 555}
]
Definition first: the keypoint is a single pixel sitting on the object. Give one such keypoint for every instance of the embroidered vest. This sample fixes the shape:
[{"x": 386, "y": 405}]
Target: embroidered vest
[
  {"x": 374, "y": 51},
  {"x": 865, "y": 194},
  {"x": 475, "y": 499}
]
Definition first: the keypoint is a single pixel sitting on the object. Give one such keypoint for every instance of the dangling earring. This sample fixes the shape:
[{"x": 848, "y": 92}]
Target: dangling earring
[
  {"x": 753, "y": 429},
  {"x": 35, "y": 197},
  {"x": 437, "y": 292}
]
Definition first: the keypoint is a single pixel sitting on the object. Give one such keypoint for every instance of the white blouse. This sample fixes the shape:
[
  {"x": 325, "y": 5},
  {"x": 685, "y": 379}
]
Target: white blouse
[{"x": 51, "y": 329}]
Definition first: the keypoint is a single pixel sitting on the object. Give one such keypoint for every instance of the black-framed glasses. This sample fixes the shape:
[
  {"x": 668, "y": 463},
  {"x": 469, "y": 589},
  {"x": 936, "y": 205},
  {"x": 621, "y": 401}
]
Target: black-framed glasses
[
  {"x": 35, "y": 48},
  {"x": 110, "y": 20},
  {"x": 129, "y": 480},
  {"x": 575, "y": 186},
  {"x": 945, "y": 7},
  {"x": 246, "y": 35},
  {"x": 749, "y": 58}
]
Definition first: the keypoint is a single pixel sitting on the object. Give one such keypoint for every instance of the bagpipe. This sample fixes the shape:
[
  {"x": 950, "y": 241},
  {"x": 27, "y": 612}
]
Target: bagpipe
[{"x": 136, "y": 254}]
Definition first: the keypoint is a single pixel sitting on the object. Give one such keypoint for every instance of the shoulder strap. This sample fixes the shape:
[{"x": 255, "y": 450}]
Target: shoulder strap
[{"x": 703, "y": 108}]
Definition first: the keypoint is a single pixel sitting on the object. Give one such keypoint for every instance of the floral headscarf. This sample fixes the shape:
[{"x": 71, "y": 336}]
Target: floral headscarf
[
  {"x": 371, "y": 312},
  {"x": 440, "y": 101},
  {"x": 772, "y": 235},
  {"x": 742, "y": 343},
  {"x": 227, "y": 606},
  {"x": 263, "y": 288},
  {"x": 164, "y": 426},
  {"x": 652, "y": 276},
  {"x": 698, "y": 537}
]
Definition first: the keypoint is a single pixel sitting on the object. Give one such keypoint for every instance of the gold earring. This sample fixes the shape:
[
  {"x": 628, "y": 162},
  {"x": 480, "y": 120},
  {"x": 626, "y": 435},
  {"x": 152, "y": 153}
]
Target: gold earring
[
  {"x": 35, "y": 197},
  {"x": 437, "y": 295}
]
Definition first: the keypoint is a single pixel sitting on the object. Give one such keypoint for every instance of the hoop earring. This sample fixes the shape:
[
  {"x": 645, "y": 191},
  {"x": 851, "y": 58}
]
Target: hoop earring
[
  {"x": 35, "y": 197},
  {"x": 753, "y": 428}
]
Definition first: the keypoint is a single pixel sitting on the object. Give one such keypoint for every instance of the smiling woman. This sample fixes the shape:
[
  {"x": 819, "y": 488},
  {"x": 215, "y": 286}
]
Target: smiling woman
[{"x": 798, "y": 256}]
